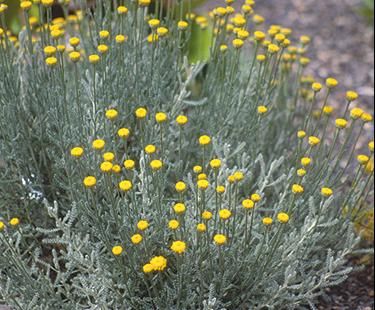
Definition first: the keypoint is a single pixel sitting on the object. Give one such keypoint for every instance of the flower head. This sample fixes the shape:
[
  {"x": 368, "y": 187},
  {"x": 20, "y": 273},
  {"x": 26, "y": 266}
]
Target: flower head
[
  {"x": 341, "y": 123},
  {"x": 206, "y": 215},
  {"x": 181, "y": 120},
  {"x": 15, "y": 221},
  {"x": 204, "y": 140},
  {"x": 117, "y": 250},
  {"x": 89, "y": 181},
  {"x": 179, "y": 208},
  {"x": 225, "y": 214},
  {"x": 136, "y": 239},
  {"x": 283, "y": 217},
  {"x": 267, "y": 221},
  {"x": 159, "y": 263},
  {"x": 179, "y": 247},
  {"x": 180, "y": 187},
  {"x": 77, "y": 151},
  {"x": 141, "y": 113},
  {"x": 331, "y": 83},
  {"x": 156, "y": 164},
  {"x": 351, "y": 95},
  {"x": 201, "y": 227},
  {"x": 313, "y": 141},
  {"x": 203, "y": 184},
  {"x": 161, "y": 117},
  {"x": 173, "y": 224},
  {"x": 125, "y": 185},
  {"x": 248, "y": 204},
  {"x": 363, "y": 159},
  {"x": 297, "y": 189},
  {"x": 142, "y": 225},
  {"x": 262, "y": 110},
  {"x": 215, "y": 163},
  {"x": 326, "y": 192},
  {"x": 220, "y": 239},
  {"x": 98, "y": 144}
]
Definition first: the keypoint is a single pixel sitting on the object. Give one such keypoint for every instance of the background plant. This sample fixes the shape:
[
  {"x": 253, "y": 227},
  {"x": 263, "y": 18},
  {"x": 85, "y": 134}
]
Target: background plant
[{"x": 287, "y": 195}]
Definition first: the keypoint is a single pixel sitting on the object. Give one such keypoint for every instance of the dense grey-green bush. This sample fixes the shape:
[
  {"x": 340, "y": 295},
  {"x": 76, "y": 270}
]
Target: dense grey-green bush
[{"x": 133, "y": 179}]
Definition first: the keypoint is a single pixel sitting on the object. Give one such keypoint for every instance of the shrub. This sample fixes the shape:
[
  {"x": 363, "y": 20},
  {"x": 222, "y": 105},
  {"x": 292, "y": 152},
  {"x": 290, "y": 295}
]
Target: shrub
[{"x": 131, "y": 179}]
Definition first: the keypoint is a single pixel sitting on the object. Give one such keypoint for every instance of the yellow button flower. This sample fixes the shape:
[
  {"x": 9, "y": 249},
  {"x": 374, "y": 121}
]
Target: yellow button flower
[
  {"x": 117, "y": 250},
  {"x": 15, "y": 221},
  {"x": 248, "y": 204},
  {"x": 106, "y": 166},
  {"x": 77, "y": 152},
  {"x": 203, "y": 184},
  {"x": 156, "y": 164},
  {"x": 26, "y": 5},
  {"x": 273, "y": 49},
  {"x": 108, "y": 156},
  {"x": 136, "y": 239},
  {"x": 305, "y": 161},
  {"x": 371, "y": 146},
  {"x": 121, "y": 38},
  {"x": 179, "y": 208},
  {"x": 363, "y": 159},
  {"x": 201, "y": 227},
  {"x": 159, "y": 263},
  {"x": 262, "y": 110},
  {"x": 331, "y": 83},
  {"x": 283, "y": 217},
  {"x": 125, "y": 185},
  {"x": 123, "y": 133},
  {"x": 220, "y": 189},
  {"x": 341, "y": 123},
  {"x": 207, "y": 215},
  {"x": 225, "y": 214},
  {"x": 122, "y": 10},
  {"x": 316, "y": 87},
  {"x": 141, "y": 113},
  {"x": 297, "y": 189},
  {"x": 197, "y": 169},
  {"x": 326, "y": 192},
  {"x": 356, "y": 113},
  {"x": 129, "y": 164},
  {"x": 259, "y": 36},
  {"x": 74, "y": 41},
  {"x": 351, "y": 95},
  {"x": 238, "y": 43},
  {"x": 111, "y": 114},
  {"x": 150, "y": 149},
  {"x": 148, "y": 268},
  {"x": 267, "y": 221},
  {"x": 204, "y": 140},
  {"x": 161, "y": 117},
  {"x": 220, "y": 239},
  {"x": 162, "y": 31},
  {"x": 75, "y": 56},
  {"x": 102, "y": 49},
  {"x": 104, "y": 34},
  {"x": 173, "y": 224},
  {"x": 215, "y": 163},
  {"x": 301, "y": 134},
  {"x": 98, "y": 144},
  {"x": 179, "y": 247},
  {"x": 181, "y": 120},
  {"x": 301, "y": 172},
  {"x": 50, "y": 50},
  {"x": 327, "y": 110},
  {"x": 256, "y": 197},
  {"x": 182, "y": 25},
  {"x": 94, "y": 59},
  {"x": 2, "y": 226},
  {"x": 142, "y": 225},
  {"x": 313, "y": 141},
  {"x": 89, "y": 181},
  {"x": 366, "y": 117},
  {"x": 144, "y": 3},
  {"x": 180, "y": 187}
]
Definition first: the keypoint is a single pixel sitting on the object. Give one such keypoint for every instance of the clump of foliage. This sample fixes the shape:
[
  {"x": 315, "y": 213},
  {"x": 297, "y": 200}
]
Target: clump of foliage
[{"x": 133, "y": 179}]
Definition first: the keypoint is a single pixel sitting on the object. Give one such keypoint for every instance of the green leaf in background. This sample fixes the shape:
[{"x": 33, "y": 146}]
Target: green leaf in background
[
  {"x": 200, "y": 44},
  {"x": 13, "y": 16}
]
